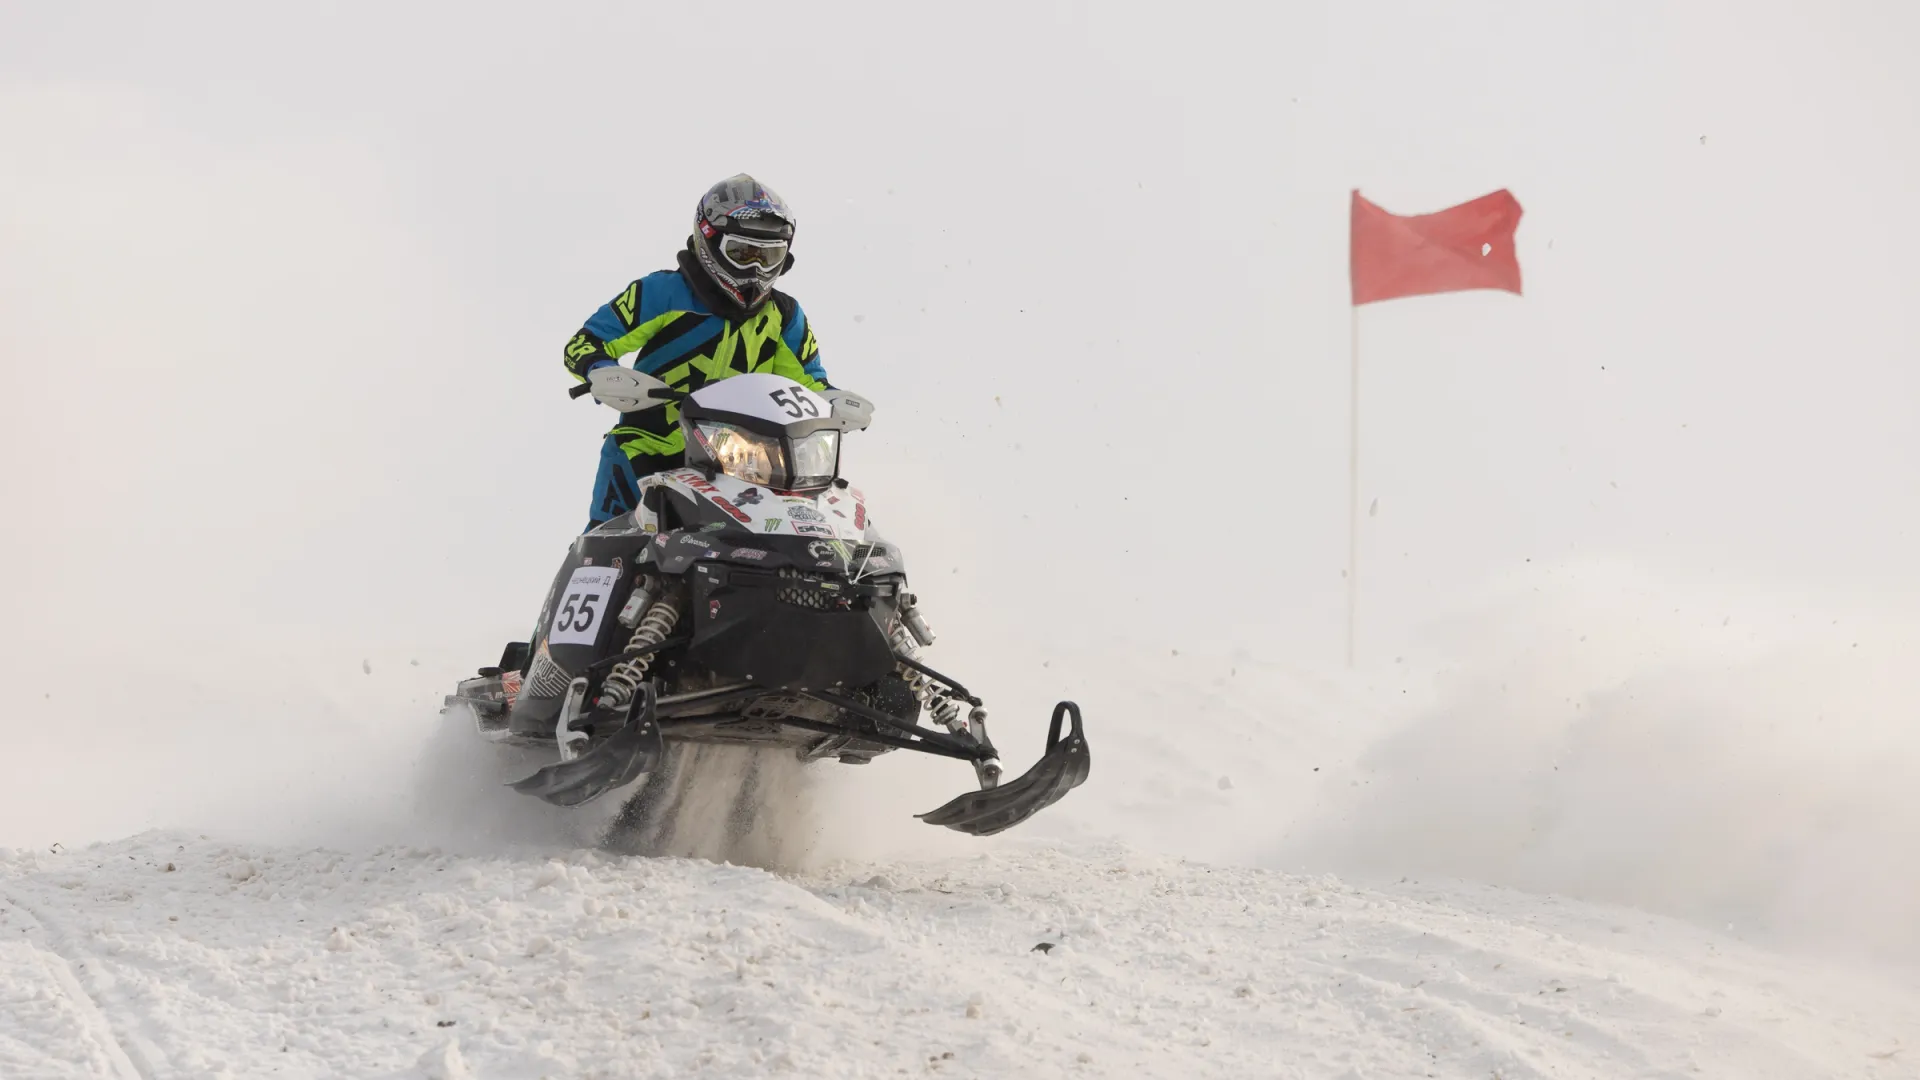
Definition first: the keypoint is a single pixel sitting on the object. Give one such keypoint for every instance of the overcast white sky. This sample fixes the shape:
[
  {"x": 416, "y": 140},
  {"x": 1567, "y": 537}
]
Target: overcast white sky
[{"x": 282, "y": 291}]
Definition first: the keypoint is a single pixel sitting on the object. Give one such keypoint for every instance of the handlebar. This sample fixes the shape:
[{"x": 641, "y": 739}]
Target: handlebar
[{"x": 661, "y": 394}]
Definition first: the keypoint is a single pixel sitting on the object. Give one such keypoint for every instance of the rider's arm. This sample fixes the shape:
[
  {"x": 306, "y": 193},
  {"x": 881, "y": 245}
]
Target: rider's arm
[
  {"x": 797, "y": 334},
  {"x": 655, "y": 304},
  {"x": 587, "y": 349}
]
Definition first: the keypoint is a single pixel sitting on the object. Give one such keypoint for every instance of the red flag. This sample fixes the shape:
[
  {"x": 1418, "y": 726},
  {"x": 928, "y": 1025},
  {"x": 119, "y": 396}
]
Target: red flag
[{"x": 1469, "y": 246}]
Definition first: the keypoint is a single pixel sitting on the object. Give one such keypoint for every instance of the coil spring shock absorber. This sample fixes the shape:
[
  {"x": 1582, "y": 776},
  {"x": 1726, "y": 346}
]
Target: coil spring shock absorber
[
  {"x": 944, "y": 710},
  {"x": 624, "y": 680},
  {"x": 907, "y": 635}
]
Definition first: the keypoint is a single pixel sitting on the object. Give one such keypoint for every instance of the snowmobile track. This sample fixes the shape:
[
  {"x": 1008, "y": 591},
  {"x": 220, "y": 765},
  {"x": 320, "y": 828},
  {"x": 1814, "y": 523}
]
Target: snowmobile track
[{"x": 37, "y": 942}]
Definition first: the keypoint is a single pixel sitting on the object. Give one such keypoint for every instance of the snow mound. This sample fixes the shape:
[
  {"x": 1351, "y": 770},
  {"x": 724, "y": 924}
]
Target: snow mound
[
  {"x": 220, "y": 960},
  {"x": 1719, "y": 756}
]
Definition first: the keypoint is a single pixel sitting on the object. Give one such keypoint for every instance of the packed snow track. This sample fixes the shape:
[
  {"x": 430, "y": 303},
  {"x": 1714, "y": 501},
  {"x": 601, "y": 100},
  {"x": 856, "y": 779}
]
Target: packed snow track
[{"x": 176, "y": 956}]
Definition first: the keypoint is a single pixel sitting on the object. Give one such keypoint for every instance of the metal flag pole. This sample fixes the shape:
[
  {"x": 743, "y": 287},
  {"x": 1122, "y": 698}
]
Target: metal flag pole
[{"x": 1353, "y": 487}]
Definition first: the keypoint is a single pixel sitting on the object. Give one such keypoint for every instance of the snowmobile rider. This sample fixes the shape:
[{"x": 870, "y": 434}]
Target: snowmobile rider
[{"x": 717, "y": 314}]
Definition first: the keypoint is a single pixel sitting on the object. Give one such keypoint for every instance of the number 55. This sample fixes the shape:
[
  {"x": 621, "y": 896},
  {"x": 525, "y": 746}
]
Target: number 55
[{"x": 797, "y": 403}]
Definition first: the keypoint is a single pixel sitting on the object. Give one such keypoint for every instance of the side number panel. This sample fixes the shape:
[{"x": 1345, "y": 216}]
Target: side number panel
[{"x": 582, "y": 606}]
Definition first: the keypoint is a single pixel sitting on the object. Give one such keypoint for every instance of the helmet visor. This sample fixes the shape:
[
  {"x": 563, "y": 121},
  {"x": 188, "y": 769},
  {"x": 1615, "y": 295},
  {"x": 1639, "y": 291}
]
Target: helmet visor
[{"x": 746, "y": 253}]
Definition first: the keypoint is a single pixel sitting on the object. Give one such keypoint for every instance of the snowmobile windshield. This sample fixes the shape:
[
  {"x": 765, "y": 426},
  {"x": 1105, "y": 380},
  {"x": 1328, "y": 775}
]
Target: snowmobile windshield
[
  {"x": 740, "y": 453},
  {"x": 816, "y": 458}
]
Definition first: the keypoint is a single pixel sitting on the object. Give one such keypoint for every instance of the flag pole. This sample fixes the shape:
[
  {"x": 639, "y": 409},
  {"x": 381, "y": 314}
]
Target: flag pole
[
  {"x": 1469, "y": 246},
  {"x": 1353, "y": 485}
]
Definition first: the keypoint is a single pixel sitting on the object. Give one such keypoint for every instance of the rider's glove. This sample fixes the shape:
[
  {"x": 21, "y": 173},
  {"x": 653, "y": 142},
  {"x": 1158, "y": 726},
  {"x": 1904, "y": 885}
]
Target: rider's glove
[{"x": 851, "y": 407}]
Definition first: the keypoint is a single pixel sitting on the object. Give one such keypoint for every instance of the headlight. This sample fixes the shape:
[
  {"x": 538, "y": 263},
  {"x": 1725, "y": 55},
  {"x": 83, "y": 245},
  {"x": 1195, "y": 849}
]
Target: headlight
[
  {"x": 816, "y": 459},
  {"x": 741, "y": 454}
]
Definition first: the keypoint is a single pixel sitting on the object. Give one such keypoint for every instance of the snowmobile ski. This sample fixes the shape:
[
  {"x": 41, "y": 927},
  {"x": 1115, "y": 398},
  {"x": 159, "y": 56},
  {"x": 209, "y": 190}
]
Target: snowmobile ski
[
  {"x": 1062, "y": 768},
  {"x": 622, "y": 758}
]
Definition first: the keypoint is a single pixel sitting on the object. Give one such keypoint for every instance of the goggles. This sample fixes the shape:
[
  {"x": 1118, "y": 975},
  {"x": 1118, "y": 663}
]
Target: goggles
[{"x": 749, "y": 254}]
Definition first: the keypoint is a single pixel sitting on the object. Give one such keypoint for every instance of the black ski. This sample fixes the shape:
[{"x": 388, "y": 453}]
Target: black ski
[
  {"x": 1061, "y": 769},
  {"x": 624, "y": 757}
]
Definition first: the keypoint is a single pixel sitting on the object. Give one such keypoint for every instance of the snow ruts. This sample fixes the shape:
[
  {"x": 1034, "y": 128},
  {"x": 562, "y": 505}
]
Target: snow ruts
[{"x": 71, "y": 1011}]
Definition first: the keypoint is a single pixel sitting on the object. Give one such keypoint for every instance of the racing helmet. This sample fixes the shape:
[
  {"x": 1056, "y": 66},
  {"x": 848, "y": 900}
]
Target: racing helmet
[{"x": 742, "y": 238}]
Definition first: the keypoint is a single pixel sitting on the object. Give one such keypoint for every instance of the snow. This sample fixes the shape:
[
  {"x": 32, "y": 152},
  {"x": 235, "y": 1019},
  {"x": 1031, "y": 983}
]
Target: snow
[
  {"x": 371, "y": 901},
  {"x": 210, "y": 959}
]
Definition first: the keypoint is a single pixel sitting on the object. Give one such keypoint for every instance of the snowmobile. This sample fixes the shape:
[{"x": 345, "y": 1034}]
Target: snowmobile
[{"x": 748, "y": 598}]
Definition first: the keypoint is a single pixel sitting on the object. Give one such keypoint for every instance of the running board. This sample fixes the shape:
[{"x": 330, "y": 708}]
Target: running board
[{"x": 1062, "y": 768}]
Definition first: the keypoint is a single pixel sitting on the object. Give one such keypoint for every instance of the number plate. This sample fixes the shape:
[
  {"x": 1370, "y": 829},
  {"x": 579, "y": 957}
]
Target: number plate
[{"x": 583, "y": 606}]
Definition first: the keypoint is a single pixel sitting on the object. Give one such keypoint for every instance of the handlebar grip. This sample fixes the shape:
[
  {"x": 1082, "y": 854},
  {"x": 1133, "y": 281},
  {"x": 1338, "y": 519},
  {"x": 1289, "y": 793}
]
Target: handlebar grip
[{"x": 580, "y": 391}]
